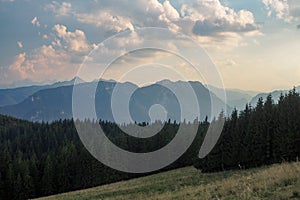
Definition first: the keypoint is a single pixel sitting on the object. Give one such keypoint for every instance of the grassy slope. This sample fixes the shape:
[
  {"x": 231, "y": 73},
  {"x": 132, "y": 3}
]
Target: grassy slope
[{"x": 274, "y": 182}]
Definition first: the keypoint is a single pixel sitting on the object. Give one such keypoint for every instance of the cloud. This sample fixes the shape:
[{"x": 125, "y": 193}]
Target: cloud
[
  {"x": 7, "y": 1},
  {"x": 60, "y": 9},
  {"x": 41, "y": 64},
  {"x": 170, "y": 12},
  {"x": 35, "y": 22},
  {"x": 107, "y": 20},
  {"x": 74, "y": 41},
  {"x": 280, "y": 7},
  {"x": 207, "y": 18},
  {"x": 298, "y": 26},
  {"x": 294, "y": 9},
  {"x": 132, "y": 39},
  {"x": 58, "y": 60},
  {"x": 210, "y": 22},
  {"x": 142, "y": 13},
  {"x": 20, "y": 44},
  {"x": 117, "y": 15},
  {"x": 45, "y": 36},
  {"x": 226, "y": 62},
  {"x": 17, "y": 65},
  {"x": 163, "y": 14},
  {"x": 211, "y": 18},
  {"x": 286, "y": 10}
]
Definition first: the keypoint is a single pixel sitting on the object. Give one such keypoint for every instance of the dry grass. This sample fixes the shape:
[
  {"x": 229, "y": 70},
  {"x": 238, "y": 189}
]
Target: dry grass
[{"x": 274, "y": 182}]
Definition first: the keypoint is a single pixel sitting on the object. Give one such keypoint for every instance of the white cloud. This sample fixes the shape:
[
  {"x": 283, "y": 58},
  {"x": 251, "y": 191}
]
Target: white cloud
[
  {"x": 17, "y": 65},
  {"x": 210, "y": 22},
  {"x": 56, "y": 43},
  {"x": 107, "y": 20},
  {"x": 170, "y": 12},
  {"x": 210, "y": 17},
  {"x": 58, "y": 60},
  {"x": 162, "y": 14},
  {"x": 20, "y": 44},
  {"x": 75, "y": 41},
  {"x": 35, "y": 22},
  {"x": 287, "y": 10},
  {"x": 117, "y": 16},
  {"x": 41, "y": 64},
  {"x": 132, "y": 39},
  {"x": 60, "y": 9},
  {"x": 199, "y": 17},
  {"x": 226, "y": 63},
  {"x": 280, "y": 7},
  {"x": 45, "y": 36}
]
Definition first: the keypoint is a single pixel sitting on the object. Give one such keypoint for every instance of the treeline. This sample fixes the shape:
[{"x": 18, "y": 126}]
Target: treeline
[
  {"x": 40, "y": 159},
  {"x": 266, "y": 134}
]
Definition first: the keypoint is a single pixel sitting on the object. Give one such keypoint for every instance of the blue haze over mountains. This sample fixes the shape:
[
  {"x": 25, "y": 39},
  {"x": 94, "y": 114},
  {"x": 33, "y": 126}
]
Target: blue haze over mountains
[{"x": 54, "y": 102}]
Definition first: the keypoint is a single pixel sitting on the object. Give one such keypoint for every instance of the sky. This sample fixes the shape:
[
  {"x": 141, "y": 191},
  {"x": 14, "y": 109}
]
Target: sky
[{"x": 254, "y": 44}]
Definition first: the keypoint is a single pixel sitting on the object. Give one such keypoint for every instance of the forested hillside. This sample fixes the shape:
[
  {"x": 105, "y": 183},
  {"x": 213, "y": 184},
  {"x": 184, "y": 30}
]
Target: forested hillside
[
  {"x": 38, "y": 159},
  {"x": 268, "y": 133}
]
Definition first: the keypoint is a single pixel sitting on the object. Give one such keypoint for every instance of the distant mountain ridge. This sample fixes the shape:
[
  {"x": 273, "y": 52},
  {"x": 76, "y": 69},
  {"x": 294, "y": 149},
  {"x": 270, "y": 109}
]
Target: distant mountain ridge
[
  {"x": 56, "y": 103},
  {"x": 11, "y": 96},
  {"x": 275, "y": 95},
  {"x": 234, "y": 97},
  {"x": 53, "y": 102}
]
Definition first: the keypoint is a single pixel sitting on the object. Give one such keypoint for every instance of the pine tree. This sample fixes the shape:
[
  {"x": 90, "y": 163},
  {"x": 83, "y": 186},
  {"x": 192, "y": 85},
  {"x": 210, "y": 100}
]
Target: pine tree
[{"x": 48, "y": 176}]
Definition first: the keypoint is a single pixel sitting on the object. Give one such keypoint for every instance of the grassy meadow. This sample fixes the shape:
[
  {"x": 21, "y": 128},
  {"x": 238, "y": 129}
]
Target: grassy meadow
[{"x": 281, "y": 181}]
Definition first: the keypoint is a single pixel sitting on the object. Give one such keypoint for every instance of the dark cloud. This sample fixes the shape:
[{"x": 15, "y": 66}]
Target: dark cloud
[
  {"x": 298, "y": 26},
  {"x": 210, "y": 28}
]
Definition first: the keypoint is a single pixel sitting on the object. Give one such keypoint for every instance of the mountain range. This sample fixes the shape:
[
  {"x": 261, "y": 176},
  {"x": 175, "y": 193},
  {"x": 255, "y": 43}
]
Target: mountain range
[
  {"x": 275, "y": 95},
  {"x": 235, "y": 98},
  {"x": 54, "y": 102},
  {"x": 12, "y": 96}
]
